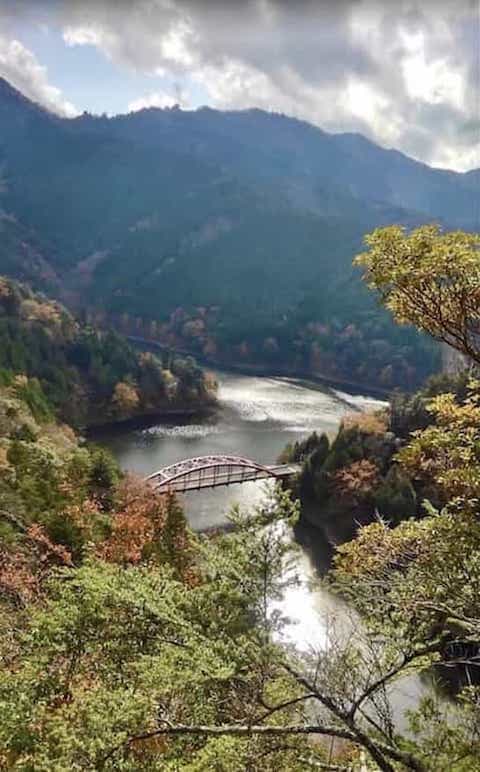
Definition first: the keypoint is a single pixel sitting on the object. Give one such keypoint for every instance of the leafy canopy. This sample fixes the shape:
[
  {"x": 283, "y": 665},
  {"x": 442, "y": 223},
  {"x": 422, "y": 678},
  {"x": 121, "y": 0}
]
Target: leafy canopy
[{"x": 429, "y": 279}]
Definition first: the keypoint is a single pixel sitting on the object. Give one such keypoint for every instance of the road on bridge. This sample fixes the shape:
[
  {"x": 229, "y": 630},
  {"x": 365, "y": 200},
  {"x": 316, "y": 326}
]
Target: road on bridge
[{"x": 213, "y": 471}]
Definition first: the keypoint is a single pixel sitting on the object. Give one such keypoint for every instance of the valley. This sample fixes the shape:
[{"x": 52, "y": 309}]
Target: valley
[
  {"x": 192, "y": 298},
  {"x": 229, "y": 234}
]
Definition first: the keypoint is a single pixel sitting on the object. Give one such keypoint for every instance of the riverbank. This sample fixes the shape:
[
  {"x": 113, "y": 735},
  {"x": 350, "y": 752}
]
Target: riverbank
[
  {"x": 144, "y": 420},
  {"x": 257, "y": 417},
  {"x": 265, "y": 370}
]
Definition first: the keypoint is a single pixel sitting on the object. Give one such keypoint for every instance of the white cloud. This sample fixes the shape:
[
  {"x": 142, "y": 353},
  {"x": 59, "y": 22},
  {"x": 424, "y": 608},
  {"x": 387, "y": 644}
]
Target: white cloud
[
  {"x": 176, "y": 45},
  {"x": 405, "y": 74},
  {"x": 434, "y": 80},
  {"x": 21, "y": 68},
  {"x": 364, "y": 102},
  {"x": 82, "y": 36},
  {"x": 237, "y": 85},
  {"x": 155, "y": 99}
]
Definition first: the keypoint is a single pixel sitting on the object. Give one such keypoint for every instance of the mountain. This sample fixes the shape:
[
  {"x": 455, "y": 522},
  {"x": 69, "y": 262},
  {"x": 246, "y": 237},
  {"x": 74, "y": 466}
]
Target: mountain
[
  {"x": 227, "y": 233},
  {"x": 307, "y": 162}
]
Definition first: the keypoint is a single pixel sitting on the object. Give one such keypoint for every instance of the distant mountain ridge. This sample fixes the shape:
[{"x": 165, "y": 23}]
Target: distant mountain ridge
[
  {"x": 241, "y": 224},
  {"x": 276, "y": 147}
]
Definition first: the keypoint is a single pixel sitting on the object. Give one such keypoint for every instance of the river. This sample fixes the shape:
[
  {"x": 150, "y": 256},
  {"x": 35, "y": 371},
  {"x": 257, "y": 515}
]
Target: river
[{"x": 257, "y": 417}]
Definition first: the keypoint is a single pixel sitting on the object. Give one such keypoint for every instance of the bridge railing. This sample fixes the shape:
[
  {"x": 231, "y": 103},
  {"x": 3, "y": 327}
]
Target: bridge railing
[{"x": 213, "y": 471}]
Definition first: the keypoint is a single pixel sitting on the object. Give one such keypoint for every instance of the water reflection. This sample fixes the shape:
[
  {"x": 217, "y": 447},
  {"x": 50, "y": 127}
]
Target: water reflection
[{"x": 257, "y": 418}]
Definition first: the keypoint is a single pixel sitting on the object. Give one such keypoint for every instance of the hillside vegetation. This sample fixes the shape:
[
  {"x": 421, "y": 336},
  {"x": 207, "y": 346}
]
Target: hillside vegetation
[
  {"x": 127, "y": 642},
  {"x": 230, "y": 234},
  {"x": 86, "y": 376},
  {"x": 432, "y": 279}
]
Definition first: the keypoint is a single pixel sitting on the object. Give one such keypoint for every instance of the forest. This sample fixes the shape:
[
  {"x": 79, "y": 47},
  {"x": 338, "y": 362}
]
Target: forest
[
  {"x": 229, "y": 234},
  {"x": 128, "y": 642},
  {"x": 346, "y": 346},
  {"x": 88, "y": 376}
]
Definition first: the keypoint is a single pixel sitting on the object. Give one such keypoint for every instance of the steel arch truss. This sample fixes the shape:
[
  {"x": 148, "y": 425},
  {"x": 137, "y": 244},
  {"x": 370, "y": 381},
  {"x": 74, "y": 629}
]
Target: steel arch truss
[{"x": 209, "y": 472}]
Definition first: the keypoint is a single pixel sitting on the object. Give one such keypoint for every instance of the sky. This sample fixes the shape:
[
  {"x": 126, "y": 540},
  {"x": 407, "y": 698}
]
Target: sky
[{"x": 405, "y": 73}]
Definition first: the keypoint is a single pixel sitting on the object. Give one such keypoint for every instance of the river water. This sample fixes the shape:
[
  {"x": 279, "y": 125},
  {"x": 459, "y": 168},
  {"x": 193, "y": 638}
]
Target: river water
[{"x": 258, "y": 416}]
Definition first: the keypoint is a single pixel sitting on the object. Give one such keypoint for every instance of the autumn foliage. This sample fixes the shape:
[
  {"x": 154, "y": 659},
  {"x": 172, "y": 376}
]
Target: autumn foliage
[
  {"x": 147, "y": 526},
  {"x": 356, "y": 481},
  {"x": 370, "y": 423},
  {"x": 137, "y": 522},
  {"x": 23, "y": 570}
]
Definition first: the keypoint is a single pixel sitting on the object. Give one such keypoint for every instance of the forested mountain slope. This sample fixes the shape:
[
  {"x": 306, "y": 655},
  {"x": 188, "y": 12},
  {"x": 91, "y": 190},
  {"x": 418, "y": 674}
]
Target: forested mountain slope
[
  {"x": 83, "y": 375},
  {"x": 230, "y": 234},
  {"x": 127, "y": 642}
]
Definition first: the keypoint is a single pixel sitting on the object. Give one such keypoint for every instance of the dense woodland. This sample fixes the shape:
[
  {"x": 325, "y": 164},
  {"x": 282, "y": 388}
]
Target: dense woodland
[
  {"x": 130, "y": 643},
  {"x": 362, "y": 471},
  {"x": 87, "y": 376},
  {"x": 227, "y": 234},
  {"x": 355, "y": 346},
  {"x": 355, "y": 475}
]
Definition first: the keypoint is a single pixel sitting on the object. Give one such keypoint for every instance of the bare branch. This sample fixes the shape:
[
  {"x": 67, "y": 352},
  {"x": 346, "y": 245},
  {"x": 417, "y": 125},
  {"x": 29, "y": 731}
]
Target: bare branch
[
  {"x": 379, "y": 682},
  {"x": 284, "y": 705}
]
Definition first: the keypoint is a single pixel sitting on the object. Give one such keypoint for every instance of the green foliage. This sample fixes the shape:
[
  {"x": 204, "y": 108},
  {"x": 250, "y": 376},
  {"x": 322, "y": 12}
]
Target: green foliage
[
  {"x": 445, "y": 456},
  {"x": 77, "y": 370},
  {"x": 103, "y": 475},
  {"x": 190, "y": 211},
  {"x": 361, "y": 451},
  {"x": 395, "y": 497},
  {"x": 148, "y": 648},
  {"x": 46, "y": 475},
  {"x": 396, "y": 493},
  {"x": 152, "y": 649},
  {"x": 44, "y": 485},
  {"x": 424, "y": 574},
  {"x": 350, "y": 341},
  {"x": 409, "y": 412},
  {"x": 25, "y": 433},
  {"x": 114, "y": 652},
  {"x": 32, "y": 393},
  {"x": 303, "y": 449},
  {"x": 430, "y": 279},
  {"x": 419, "y": 582}
]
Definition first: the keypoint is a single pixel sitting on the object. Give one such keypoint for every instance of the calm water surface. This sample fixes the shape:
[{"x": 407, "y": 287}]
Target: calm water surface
[{"x": 258, "y": 416}]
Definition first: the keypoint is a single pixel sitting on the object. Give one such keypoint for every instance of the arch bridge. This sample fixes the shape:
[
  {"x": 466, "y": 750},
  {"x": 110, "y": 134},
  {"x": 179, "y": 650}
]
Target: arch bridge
[{"x": 213, "y": 471}]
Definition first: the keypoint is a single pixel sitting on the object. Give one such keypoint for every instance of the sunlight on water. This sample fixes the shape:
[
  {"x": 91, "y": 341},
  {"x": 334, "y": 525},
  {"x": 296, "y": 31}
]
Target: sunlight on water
[
  {"x": 256, "y": 419},
  {"x": 360, "y": 402},
  {"x": 310, "y": 609},
  {"x": 192, "y": 430},
  {"x": 296, "y": 405}
]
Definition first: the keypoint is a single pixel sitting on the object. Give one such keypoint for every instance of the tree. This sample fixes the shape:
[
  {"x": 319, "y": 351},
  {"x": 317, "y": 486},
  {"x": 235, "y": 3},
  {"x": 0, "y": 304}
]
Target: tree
[
  {"x": 137, "y": 670},
  {"x": 77, "y": 371},
  {"x": 175, "y": 544},
  {"x": 125, "y": 398},
  {"x": 410, "y": 584},
  {"x": 355, "y": 482},
  {"x": 150, "y": 648},
  {"x": 139, "y": 667},
  {"x": 445, "y": 455},
  {"x": 429, "y": 279}
]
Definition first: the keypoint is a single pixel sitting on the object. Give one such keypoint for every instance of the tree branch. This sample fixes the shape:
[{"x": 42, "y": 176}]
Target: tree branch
[
  {"x": 406, "y": 660},
  {"x": 379, "y": 751},
  {"x": 234, "y": 730},
  {"x": 284, "y": 705}
]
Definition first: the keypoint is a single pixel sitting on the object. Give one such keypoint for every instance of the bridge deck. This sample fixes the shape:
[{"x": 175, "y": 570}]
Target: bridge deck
[{"x": 214, "y": 476}]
